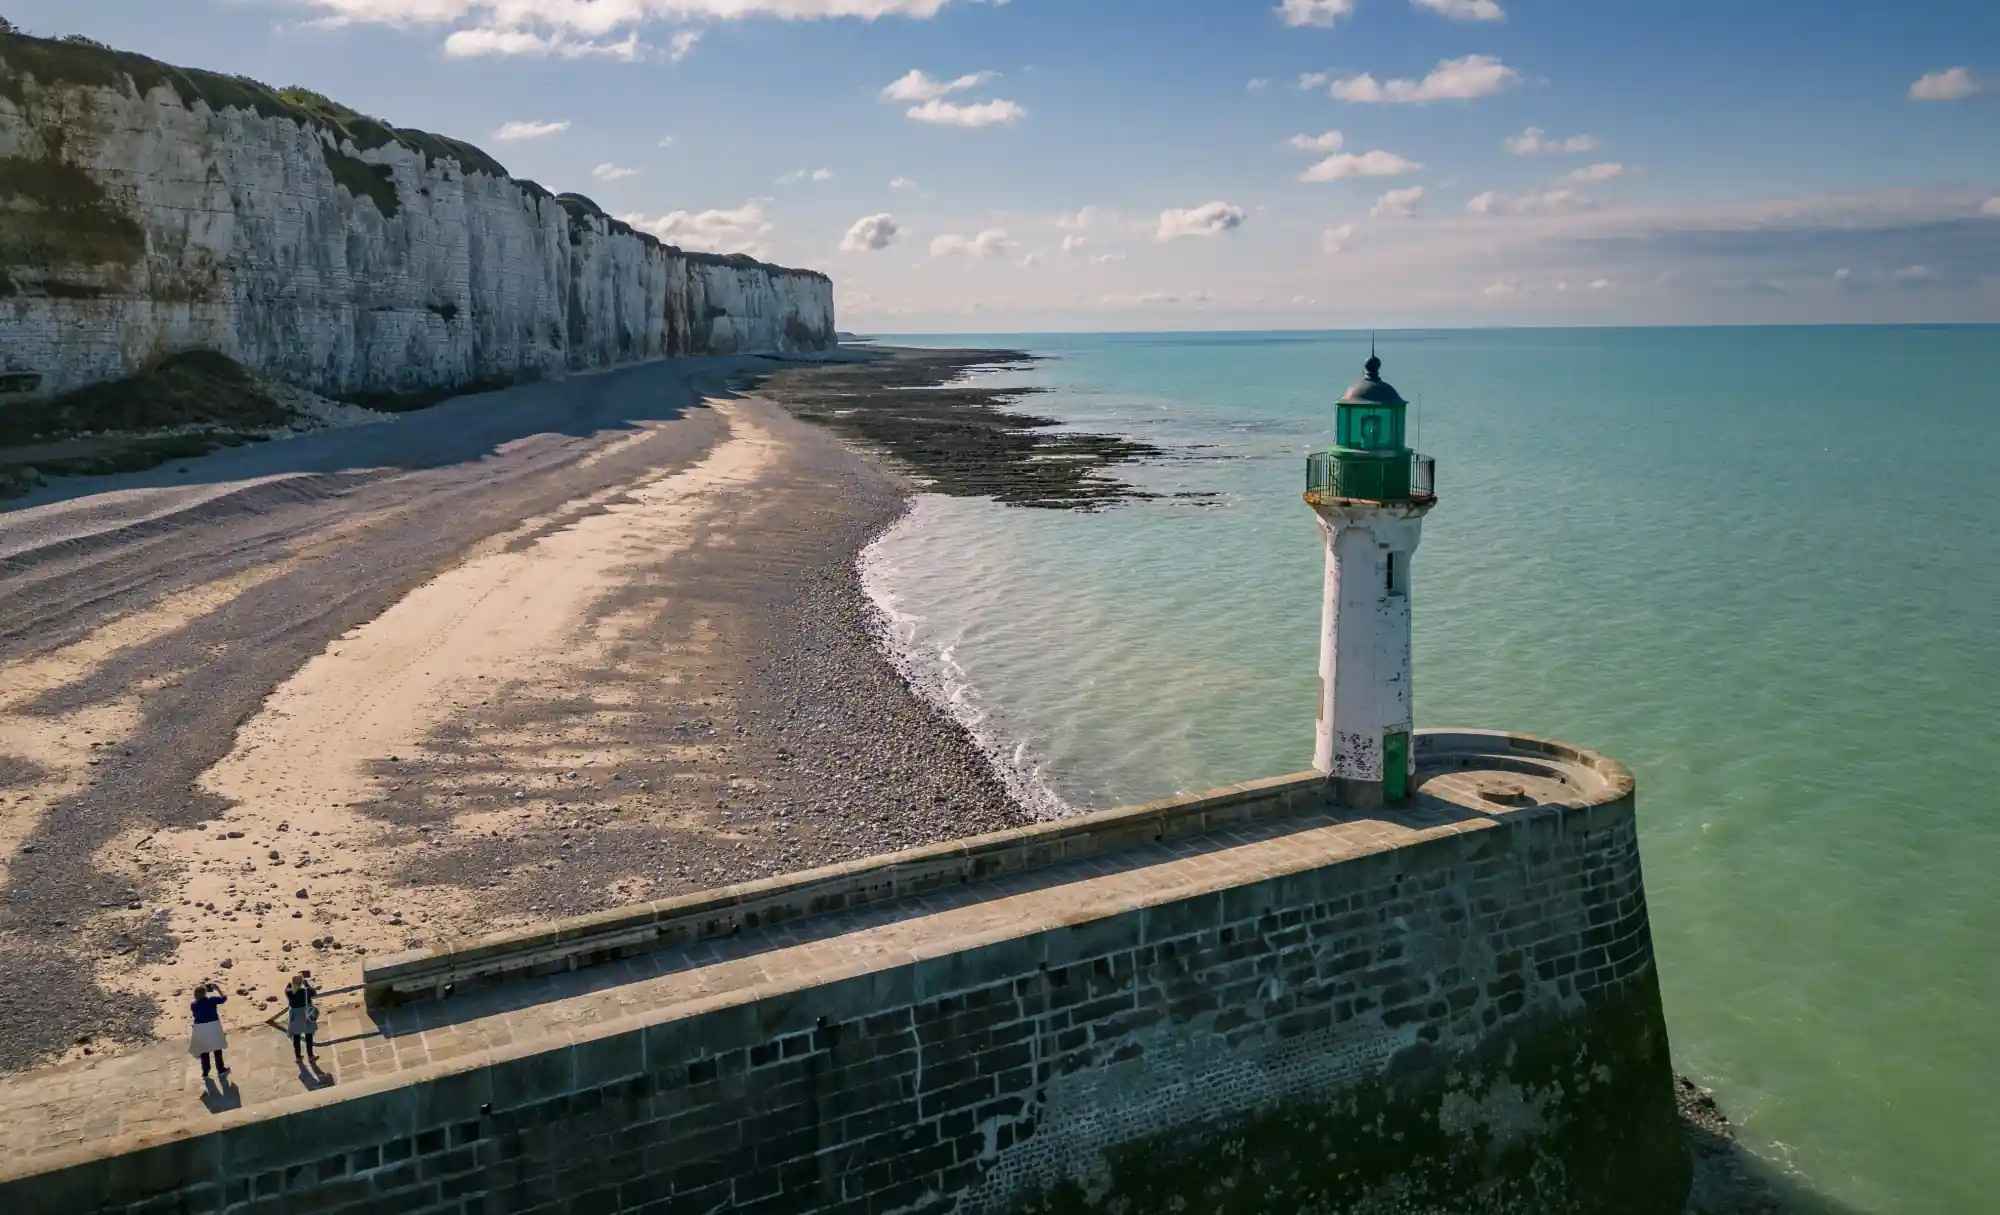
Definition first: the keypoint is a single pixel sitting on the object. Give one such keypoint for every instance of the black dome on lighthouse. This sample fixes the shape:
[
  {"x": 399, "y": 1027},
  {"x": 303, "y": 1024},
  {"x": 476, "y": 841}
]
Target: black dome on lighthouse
[{"x": 1371, "y": 388}]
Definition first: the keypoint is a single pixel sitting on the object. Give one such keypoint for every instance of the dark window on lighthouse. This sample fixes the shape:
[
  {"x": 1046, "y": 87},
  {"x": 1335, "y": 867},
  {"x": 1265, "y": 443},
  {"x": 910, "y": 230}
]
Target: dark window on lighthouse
[{"x": 1395, "y": 577}]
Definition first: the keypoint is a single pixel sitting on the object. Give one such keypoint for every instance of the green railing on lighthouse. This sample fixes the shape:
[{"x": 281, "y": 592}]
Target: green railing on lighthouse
[{"x": 1395, "y": 476}]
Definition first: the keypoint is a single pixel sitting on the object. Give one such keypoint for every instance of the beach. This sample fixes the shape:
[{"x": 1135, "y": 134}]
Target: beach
[{"x": 521, "y": 656}]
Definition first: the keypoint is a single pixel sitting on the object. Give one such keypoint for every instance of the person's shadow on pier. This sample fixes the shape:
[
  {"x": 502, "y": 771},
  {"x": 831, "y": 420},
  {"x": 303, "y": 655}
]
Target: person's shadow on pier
[
  {"x": 220, "y": 1096},
  {"x": 313, "y": 1077}
]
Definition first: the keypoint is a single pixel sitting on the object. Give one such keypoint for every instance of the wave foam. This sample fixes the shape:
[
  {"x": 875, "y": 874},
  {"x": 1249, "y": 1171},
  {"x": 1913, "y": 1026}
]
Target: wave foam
[{"x": 931, "y": 668}]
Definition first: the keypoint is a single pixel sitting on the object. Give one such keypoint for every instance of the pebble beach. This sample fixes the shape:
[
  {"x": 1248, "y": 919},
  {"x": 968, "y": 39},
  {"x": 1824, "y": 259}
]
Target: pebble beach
[{"x": 517, "y": 657}]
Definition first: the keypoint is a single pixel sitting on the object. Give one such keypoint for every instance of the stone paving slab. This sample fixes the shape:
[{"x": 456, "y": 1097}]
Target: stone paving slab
[{"x": 60, "y": 1115}]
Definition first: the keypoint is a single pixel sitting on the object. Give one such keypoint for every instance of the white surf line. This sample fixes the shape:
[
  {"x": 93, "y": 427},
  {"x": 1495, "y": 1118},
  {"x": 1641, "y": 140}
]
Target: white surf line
[
  {"x": 933, "y": 675},
  {"x": 306, "y": 760}
]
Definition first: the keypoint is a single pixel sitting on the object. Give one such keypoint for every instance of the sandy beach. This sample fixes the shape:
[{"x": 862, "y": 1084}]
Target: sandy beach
[{"x": 520, "y": 656}]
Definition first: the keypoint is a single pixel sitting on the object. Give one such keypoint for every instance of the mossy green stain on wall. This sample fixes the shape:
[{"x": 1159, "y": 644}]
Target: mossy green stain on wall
[
  {"x": 1598, "y": 1084},
  {"x": 54, "y": 215},
  {"x": 364, "y": 180}
]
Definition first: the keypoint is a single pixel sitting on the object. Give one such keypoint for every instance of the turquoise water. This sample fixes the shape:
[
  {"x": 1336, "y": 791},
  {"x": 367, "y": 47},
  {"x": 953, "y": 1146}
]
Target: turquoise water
[{"x": 1760, "y": 566}]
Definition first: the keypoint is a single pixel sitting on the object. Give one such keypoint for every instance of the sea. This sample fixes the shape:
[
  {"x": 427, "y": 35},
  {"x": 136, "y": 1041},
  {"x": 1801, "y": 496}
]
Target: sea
[{"x": 1761, "y": 566}]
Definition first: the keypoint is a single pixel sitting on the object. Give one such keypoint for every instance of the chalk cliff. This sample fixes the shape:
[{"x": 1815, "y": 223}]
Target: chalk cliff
[{"x": 147, "y": 209}]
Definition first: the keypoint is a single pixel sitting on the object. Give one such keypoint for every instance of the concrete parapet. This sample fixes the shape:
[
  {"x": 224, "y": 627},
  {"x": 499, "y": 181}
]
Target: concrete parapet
[{"x": 588, "y": 940}]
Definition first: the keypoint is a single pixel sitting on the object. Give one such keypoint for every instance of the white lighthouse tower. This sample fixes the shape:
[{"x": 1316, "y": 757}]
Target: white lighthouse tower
[{"x": 1371, "y": 493}]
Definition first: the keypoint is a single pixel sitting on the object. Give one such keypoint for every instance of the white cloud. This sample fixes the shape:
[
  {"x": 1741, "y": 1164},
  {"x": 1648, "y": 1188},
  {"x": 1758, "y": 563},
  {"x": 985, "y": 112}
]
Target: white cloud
[
  {"x": 1843, "y": 274},
  {"x": 1209, "y": 219},
  {"x": 470, "y": 44},
  {"x": 1314, "y": 12},
  {"x": 610, "y": 172},
  {"x": 741, "y": 230},
  {"x": 978, "y": 114},
  {"x": 514, "y": 132},
  {"x": 577, "y": 28},
  {"x": 1334, "y": 240},
  {"x": 597, "y": 17},
  {"x": 481, "y": 41},
  {"x": 1499, "y": 290},
  {"x": 1536, "y": 142},
  {"x": 666, "y": 141},
  {"x": 1601, "y": 284},
  {"x": 1991, "y": 206},
  {"x": 1332, "y": 141},
  {"x": 1560, "y": 201},
  {"x": 796, "y": 176},
  {"x": 916, "y": 86},
  {"x": 1464, "y": 10},
  {"x": 1397, "y": 204},
  {"x": 1033, "y": 259},
  {"x": 1951, "y": 84},
  {"x": 984, "y": 247},
  {"x": 1368, "y": 164},
  {"x": 1551, "y": 202},
  {"x": 1596, "y": 173},
  {"x": 1152, "y": 298},
  {"x": 902, "y": 183},
  {"x": 1313, "y": 80},
  {"x": 871, "y": 233},
  {"x": 1090, "y": 219},
  {"x": 1915, "y": 274},
  {"x": 1105, "y": 259},
  {"x": 1075, "y": 242},
  {"x": 1451, "y": 80},
  {"x": 1258, "y": 84}
]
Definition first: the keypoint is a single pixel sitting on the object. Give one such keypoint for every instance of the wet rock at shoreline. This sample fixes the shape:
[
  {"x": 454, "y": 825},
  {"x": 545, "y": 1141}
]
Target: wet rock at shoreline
[{"x": 1728, "y": 1180}]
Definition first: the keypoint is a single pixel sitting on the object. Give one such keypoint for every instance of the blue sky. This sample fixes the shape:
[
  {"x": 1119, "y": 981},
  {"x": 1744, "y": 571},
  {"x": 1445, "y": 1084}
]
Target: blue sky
[{"x": 1091, "y": 164}]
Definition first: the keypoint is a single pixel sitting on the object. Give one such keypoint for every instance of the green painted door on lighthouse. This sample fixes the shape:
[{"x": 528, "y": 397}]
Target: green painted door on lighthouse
[{"x": 1395, "y": 766}]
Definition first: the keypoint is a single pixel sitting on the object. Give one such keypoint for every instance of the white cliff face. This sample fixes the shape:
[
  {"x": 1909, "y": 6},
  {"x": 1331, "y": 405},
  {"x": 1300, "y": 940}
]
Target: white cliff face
[{"x": 134, "y": 223}]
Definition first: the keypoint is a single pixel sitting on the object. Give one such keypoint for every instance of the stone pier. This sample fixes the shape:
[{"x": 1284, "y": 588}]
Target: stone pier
[{"x": 1246, "y": 1001}]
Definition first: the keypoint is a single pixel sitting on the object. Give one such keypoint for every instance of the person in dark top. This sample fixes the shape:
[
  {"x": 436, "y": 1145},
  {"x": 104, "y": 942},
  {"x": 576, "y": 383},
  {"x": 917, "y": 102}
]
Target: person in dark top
[
  {"x": 303, "y": 1020},
  {"x": 208, "y": 1038}
]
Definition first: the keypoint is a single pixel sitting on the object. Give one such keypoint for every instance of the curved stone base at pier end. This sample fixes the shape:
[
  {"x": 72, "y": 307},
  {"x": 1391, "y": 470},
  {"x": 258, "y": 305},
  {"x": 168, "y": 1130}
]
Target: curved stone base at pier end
[{"x": 1248, "y": 1001}]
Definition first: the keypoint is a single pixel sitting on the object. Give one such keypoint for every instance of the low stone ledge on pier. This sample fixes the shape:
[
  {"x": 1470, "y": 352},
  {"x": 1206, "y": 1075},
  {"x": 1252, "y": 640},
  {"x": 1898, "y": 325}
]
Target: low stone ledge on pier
[
  {"x": 1447, "y": 1006},
  {"x": 589, "y": 940}
]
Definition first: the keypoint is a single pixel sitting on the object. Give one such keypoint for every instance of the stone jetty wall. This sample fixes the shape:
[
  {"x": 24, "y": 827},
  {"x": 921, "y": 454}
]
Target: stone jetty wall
[
  {"x": 147, "y": 209},
  {"x": 1469, "y": 1023}
]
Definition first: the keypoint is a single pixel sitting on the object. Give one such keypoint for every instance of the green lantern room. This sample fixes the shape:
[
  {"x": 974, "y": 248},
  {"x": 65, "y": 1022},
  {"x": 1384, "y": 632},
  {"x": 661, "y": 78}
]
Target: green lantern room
[{"x": 1371, "y": 459}]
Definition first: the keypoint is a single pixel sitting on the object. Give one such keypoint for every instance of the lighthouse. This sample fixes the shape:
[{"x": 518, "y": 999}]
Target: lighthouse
[{"x": 1371, "y": 493}]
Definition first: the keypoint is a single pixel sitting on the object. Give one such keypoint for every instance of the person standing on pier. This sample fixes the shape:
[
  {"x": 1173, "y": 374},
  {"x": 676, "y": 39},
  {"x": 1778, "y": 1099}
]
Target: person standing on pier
[
  {"x": 303, "y": 1020},
  {"x": 208, "y": 1038}
]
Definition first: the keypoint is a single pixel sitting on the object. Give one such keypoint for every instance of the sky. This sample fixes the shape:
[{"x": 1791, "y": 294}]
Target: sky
[{"x": 1042, "y": 165}]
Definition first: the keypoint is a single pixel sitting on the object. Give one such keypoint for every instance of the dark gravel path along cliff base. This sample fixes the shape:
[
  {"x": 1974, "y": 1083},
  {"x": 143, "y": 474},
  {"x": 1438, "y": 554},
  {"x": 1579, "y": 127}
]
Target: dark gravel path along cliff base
[{"x": 193, "y": 768}]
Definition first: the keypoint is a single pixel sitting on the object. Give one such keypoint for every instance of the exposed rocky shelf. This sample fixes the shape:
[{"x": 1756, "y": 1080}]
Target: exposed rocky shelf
[{"x": 964, "y": 440}]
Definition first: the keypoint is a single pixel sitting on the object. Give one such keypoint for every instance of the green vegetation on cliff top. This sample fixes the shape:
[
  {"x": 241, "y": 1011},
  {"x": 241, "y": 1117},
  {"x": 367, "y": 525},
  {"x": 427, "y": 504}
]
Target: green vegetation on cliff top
[{"x": 90, "y": 64}]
